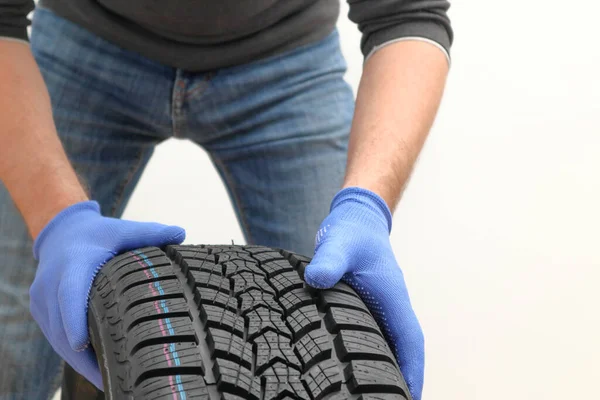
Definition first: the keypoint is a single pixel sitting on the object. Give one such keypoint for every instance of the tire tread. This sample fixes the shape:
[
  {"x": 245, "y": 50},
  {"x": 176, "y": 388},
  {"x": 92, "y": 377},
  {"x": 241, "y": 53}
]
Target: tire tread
[{"x": 235, "y": 322}]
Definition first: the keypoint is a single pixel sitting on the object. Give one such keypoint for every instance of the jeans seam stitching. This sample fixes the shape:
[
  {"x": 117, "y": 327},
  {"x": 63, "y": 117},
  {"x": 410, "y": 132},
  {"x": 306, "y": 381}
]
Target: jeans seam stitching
[
  {"x": 128, "y": 178},
  {"x": 177, "y": 100},
  {"x": 236, "y": 199}
]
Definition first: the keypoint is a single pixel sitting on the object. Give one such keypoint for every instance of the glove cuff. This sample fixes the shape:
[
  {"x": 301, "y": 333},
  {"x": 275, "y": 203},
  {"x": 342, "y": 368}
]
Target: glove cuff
[
  {"x": 84, "y": 206},
  {"x": 366, "y": 198}
]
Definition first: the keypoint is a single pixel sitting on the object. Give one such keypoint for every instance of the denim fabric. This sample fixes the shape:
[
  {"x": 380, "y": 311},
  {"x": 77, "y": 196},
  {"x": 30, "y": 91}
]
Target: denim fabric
[{"x": 276, "y": 130}]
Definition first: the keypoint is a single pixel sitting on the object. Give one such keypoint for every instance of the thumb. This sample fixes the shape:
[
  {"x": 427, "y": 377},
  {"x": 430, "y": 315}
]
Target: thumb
[
  {"x": 143, "y": 234},
  {"x": 327, "y": 267}
]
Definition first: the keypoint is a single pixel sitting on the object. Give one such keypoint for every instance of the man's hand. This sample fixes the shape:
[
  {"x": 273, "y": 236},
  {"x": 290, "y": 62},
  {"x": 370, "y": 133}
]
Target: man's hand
[
  {"x": 353, "y": 245},
  {"x": 70, "y": 250},
  {"x": 399, "y": 93}
]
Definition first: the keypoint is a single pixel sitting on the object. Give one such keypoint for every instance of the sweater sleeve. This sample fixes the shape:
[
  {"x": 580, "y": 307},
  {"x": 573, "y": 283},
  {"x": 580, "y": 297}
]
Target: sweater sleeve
[
  {"x": 387, "y": 21},
  {"x": 13, "y": 18}
]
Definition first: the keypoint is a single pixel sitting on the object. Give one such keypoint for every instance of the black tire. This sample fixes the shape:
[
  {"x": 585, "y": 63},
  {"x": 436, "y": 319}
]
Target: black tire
[{"x": 232, "y": 323}]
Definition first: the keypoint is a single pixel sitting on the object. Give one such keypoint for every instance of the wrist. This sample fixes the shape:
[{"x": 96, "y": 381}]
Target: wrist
[
  {"x": 363, "y": 204},
  {"x": 377, "y": 185},
  {"x": 77, "y": 210},
  {"x": 42, "y": 193},
  {"x": 40, "y": 216}
]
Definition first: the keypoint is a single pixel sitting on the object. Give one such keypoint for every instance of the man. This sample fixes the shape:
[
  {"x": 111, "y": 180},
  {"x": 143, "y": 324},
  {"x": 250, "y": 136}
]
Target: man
[{"x": 259, "y": 84}]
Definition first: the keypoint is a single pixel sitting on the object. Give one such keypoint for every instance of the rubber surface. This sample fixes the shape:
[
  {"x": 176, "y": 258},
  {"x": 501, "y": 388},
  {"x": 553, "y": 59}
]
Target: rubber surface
[{"x": 232, "y": 323}]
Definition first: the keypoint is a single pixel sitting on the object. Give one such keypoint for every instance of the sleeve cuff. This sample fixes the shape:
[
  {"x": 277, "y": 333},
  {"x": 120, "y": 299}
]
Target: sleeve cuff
[
  {"x": 427, "y": 31},
  {"x": 13, "y": 39},
  {"x": 14, "y": 32},
  {"x": 406, "y": 39}
]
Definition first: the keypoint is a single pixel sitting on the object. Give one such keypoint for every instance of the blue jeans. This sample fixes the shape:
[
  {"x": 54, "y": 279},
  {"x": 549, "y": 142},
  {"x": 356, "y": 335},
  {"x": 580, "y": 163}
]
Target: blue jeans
[{"x": 276, "y": 130}]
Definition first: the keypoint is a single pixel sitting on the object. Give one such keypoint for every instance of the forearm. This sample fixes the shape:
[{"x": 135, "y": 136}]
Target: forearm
[
  {"x": 398, "y": 97},
  {"x": 33, "y": 164}
]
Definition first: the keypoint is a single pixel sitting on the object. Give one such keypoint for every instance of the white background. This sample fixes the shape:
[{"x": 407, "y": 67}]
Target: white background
[{"x": 498, "y": 231}]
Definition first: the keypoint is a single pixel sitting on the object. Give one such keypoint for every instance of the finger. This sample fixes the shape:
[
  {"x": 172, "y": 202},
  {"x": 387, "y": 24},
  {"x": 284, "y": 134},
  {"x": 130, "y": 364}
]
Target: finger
[
  {"x": 43, "y": 310},
  {"x": 73, "y": 301},
  {"x": 86, "y": 364},
  {"x": 388, "y": 301},
  {"x": 91, "y": 371},
  {"x": 327, "y": 267},
  {"x": 135, "y": 235}
]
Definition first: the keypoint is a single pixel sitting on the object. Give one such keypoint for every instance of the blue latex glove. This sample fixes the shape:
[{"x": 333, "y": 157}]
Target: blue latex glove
[
  {"x": 353, "y": 245},
  {"x": 71, "y": 249}
]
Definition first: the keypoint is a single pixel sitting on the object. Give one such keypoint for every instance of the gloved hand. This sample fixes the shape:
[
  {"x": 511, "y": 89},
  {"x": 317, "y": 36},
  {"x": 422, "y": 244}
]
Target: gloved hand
[
  {"x": 353, "y": 245},
  {"x": 71, "y": 249}
]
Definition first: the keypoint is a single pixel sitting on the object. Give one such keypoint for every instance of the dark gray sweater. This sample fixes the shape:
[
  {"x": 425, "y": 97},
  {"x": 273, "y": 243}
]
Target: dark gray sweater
[{"x": 201, "y": 35}]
